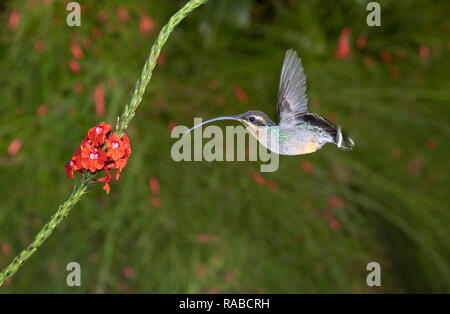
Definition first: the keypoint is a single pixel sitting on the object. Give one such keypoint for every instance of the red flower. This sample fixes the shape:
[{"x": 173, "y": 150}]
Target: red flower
[
  {"x": 124, "y": 16},
  {"x": 96, "y": 33},
  {"x": 14, "y": 147},
  {"x": 129, "y": 272},
  {"x": 161, "y": 60},
  {"x": 343, "y": 49},
  {"x": 156, "y": 201},
  {"x": 99, "y": 97},
  {"x": 92, "y": 158},
  {"x": 258, "y": 178},
  {"x": 75, "y": 162},
  {"x": 334, "y": 224},
  {"x": 120, "y": 164},
  {"x": 42, "y": 110},
  {"x": 116, "y": 148},
  {"x": 74, "y": 66},
  {"x": 98, "y": 133},
  {"x": 431, "y": 144},
  {"x": 271, "y": 185},
  {"x": 78, "y": 88},
  {"x": 91, "y": 155},
  {"x": 69, "y": 168},
  {"x": 336, "y": 202},
  {"x": 361, "y": 41},
  {"x": 154, "y": 185},
  {"x": 240, "y": 95},
  {"x": 171, "y": 125},
  {"x": 106, "y": 179},
  {"x": 385, "y": 56},
  {"x": 424, "y": 52},
  {"x": 14, "y": 19},
  {"x": 87, "y": 42},
  {"x": 6, "y": 248},
  {"x": 102, "y": 16},
  {"x": 38, "y": 46},
  {"x": 126, "y": 145},
  {"x": 307, "y": 167},
  {"x": 146, "y": 25},
  {"x": 76, "y": 50},
  {"x": 106, "y": 187}
]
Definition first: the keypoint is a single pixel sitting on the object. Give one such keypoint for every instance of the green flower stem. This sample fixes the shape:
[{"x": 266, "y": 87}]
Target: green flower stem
[
  {"x": 150, "y": 63},
  {"x": 46, "y": 231},
  {"x": 122, "y": 123}
]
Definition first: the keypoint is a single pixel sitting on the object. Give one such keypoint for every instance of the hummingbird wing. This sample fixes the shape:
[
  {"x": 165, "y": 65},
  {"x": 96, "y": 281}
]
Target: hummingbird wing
[{"x": 292, "y": 99}]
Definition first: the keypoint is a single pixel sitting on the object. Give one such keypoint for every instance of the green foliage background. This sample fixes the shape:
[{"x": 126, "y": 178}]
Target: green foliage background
[{"x": 217, "y": 230}]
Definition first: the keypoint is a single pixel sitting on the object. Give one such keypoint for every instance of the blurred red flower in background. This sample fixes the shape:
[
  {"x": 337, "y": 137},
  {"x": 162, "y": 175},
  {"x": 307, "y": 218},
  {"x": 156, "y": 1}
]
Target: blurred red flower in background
[
  {"x": 368, "y": 62},
  {"x": 161, "y": 60},
  {"x": 361, "y": 41},
  {"x": 102, "y": 16},
  {"x": 385, "y": 56},
  {"x": 87, "y": 42},
  {"x": 334, "y": 224},
  {"x": 38, "y": 46},
  {"x": 14, "y": 19},
  {"x": 78, "y": 88},
  {"x": 156, "y": 201},
  {"x": 394, "y": 71},
  {"x": 306, "y": 167},
  {"x": 240, "y": 95},
  {"x": 258, "y": 178},
  {"x": 42, "y": 110},
  {"x": 271, "y": 185},
  {"x": 343, "y": 49},
  {"x": 171, "y": 125},
  {"x": 77, "y": 52},
  {"x": 203, "y": 237},
  {"x": 96, "y": 33},
  {"x": 431, "y": 144},
  {"x": 14, "y": 147},
  {"x": 424, "y": 52},
  {"x": 99, "y": 98},
  {"x": 124, "y": 16},
  {"x": 154, "y": 185},
  {"x": 129, "y": 272},
  {"x": 6, "y": 248},
  {"x": 336, "y": 202},
  {"x": 229, "y": 276},
  {"x": 74, "y": 66},
  {"x": 146, "y": 25}
]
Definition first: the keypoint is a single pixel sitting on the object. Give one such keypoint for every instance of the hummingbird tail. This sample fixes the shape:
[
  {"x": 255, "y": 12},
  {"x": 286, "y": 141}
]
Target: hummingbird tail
[{"x": 342, "y": 141}]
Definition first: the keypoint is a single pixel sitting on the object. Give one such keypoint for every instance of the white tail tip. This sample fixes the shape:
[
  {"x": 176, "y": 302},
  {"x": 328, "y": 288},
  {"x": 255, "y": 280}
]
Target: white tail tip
[{"x": 339, "y": 137}]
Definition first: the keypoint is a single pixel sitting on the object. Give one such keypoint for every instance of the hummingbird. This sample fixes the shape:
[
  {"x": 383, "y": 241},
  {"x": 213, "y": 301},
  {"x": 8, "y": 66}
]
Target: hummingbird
[{"x": 298, "y": 131}]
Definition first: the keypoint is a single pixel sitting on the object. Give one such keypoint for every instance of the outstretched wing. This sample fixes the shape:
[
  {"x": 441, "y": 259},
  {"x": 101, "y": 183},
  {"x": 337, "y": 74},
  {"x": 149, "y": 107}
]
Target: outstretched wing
[{"x": 292, "y": 100}]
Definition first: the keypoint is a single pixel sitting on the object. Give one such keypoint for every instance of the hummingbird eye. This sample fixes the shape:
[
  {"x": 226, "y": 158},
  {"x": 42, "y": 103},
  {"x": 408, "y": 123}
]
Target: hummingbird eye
[{"x": 251, "y": 119}]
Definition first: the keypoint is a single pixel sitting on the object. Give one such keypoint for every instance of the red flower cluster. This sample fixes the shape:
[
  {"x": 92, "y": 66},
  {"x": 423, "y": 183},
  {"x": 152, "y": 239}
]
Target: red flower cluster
[{"x": 92, "y": 155}]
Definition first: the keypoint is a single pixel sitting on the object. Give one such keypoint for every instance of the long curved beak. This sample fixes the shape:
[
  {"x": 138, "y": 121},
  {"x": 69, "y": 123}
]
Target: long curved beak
[{"x": 235, "y": 118}]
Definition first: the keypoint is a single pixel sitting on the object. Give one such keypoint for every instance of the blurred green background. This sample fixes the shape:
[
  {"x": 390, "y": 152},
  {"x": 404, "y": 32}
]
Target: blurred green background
[{"x": 310, "y": 227}]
